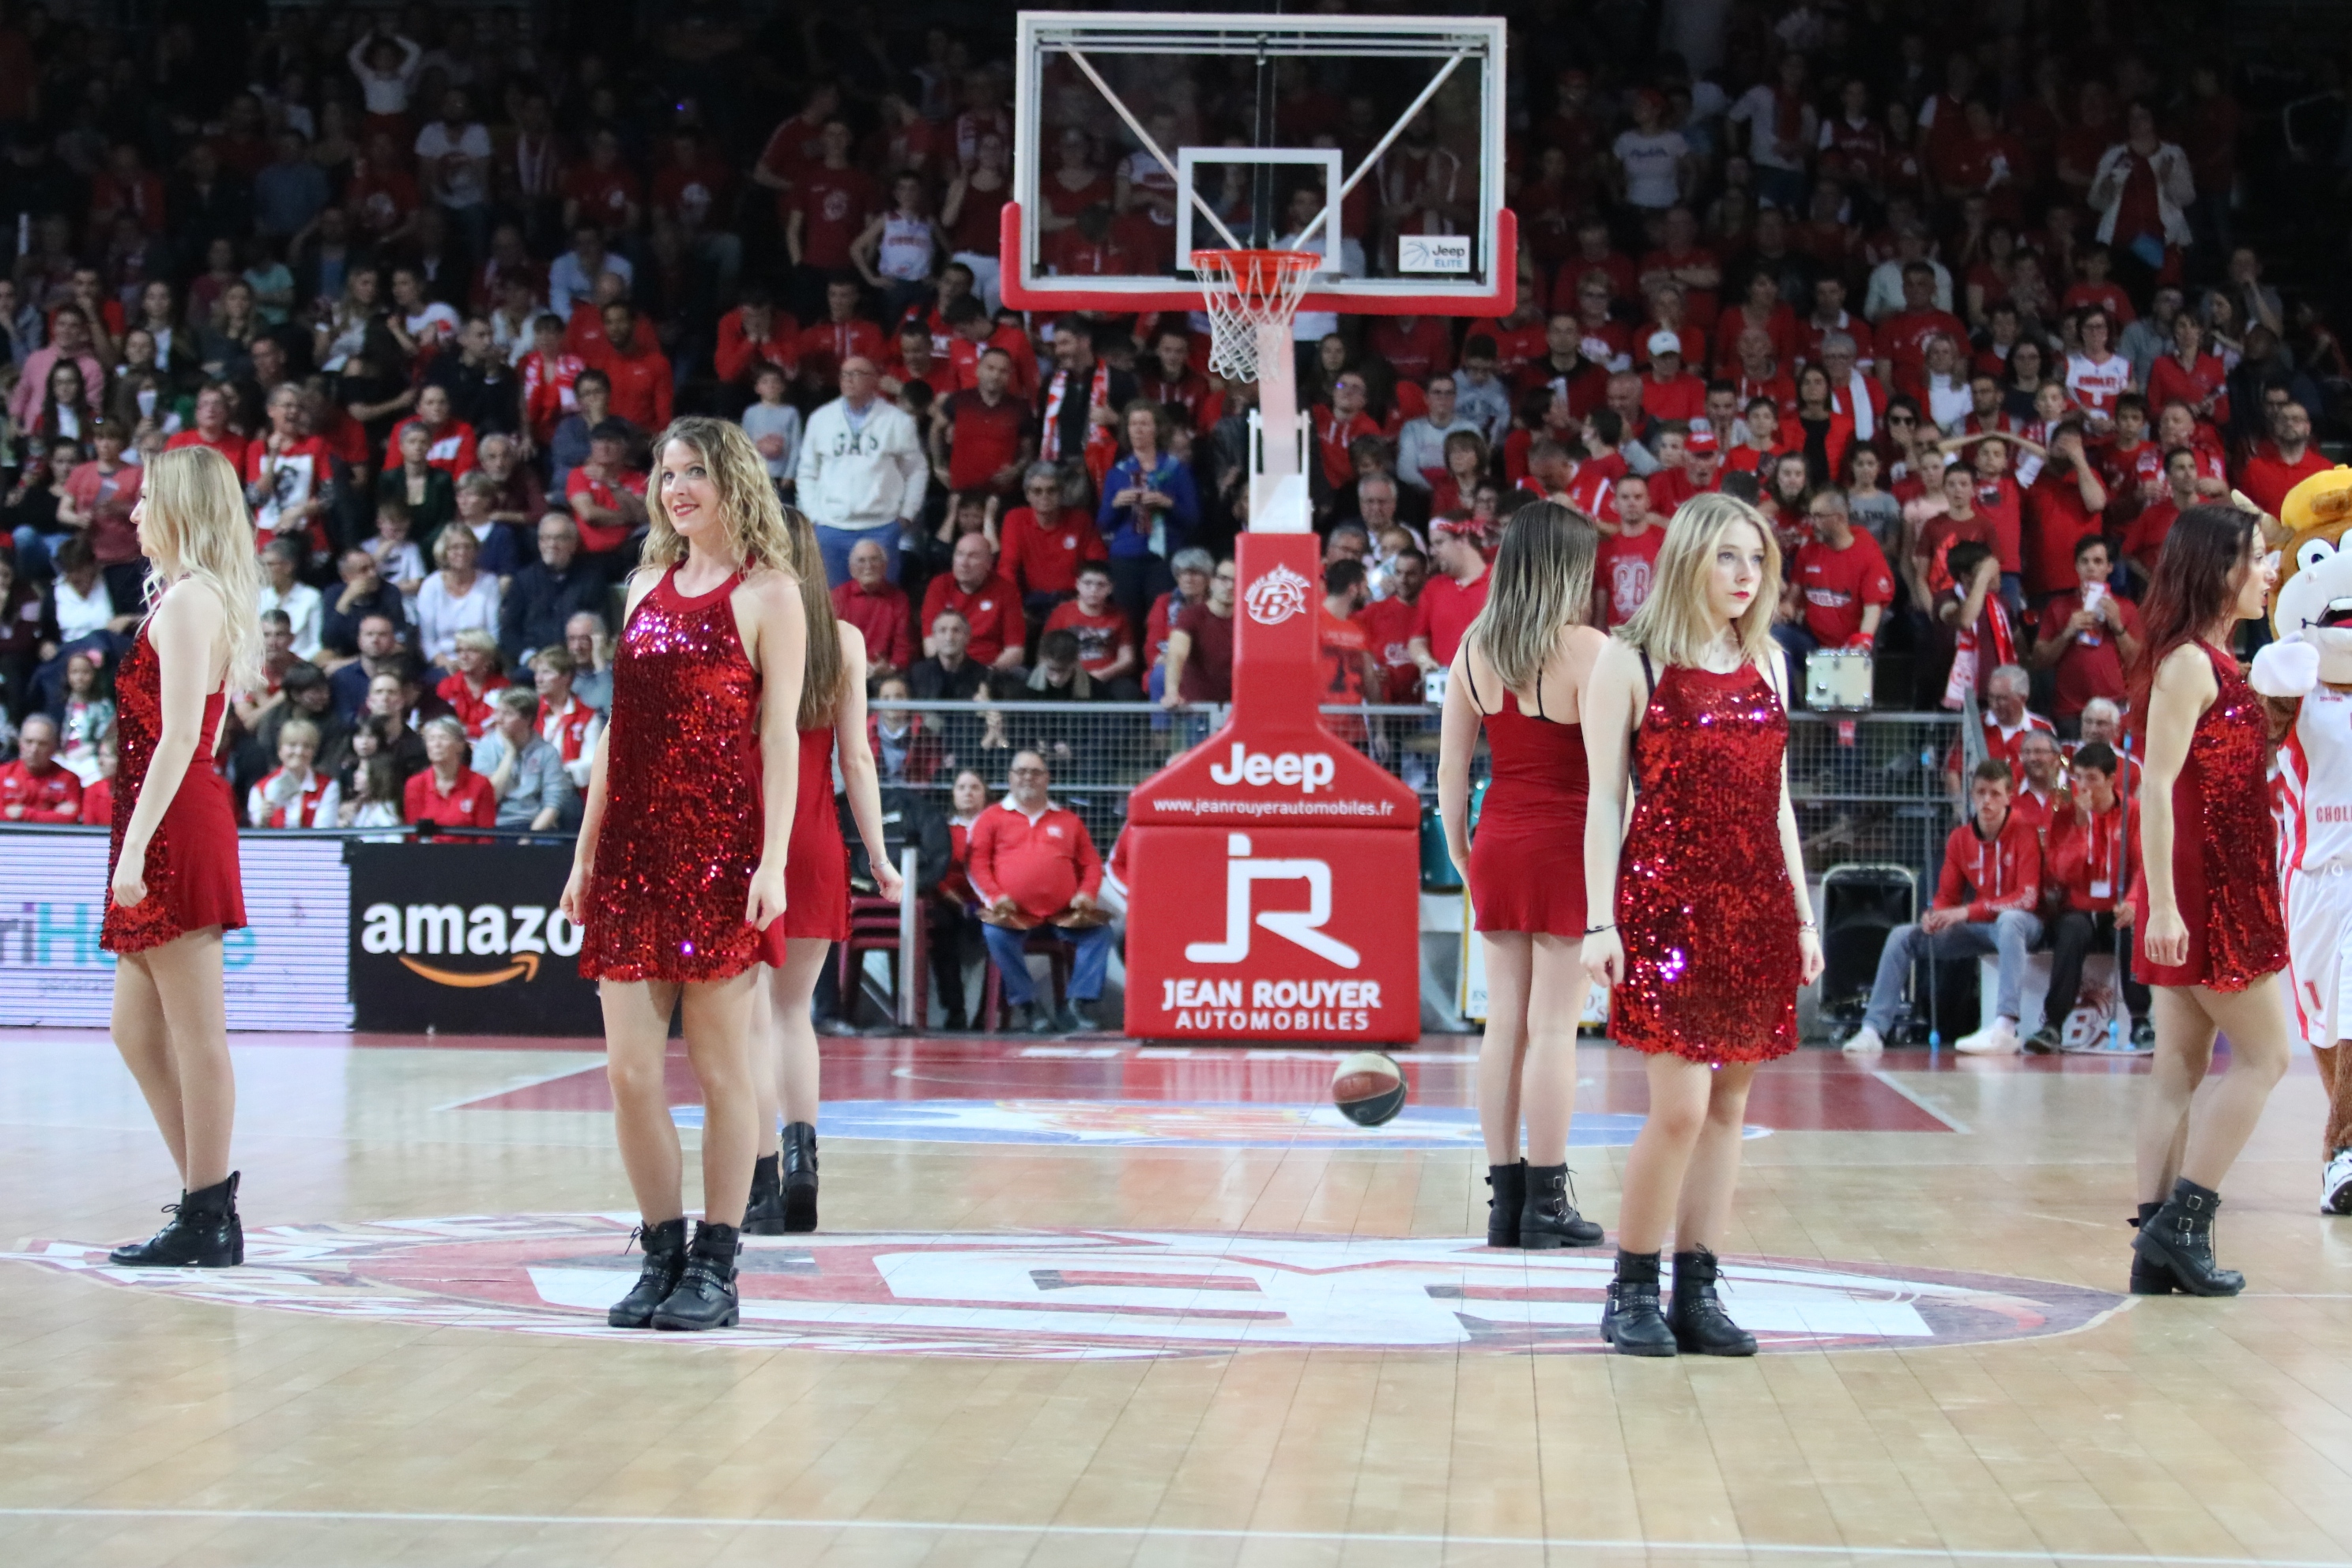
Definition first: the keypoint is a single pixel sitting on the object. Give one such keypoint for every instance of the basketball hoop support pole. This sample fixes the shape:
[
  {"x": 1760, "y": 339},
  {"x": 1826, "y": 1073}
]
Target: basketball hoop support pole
[{"x": 1278, "y": 497}]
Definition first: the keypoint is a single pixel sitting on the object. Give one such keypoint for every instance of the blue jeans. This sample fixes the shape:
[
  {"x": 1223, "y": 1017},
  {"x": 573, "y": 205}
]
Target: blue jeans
[
  {"x": 836, "y": 543},
  {"x": 35, "y": 551},
  {"x": 1086, "y": 975},
  {"x": 2012, "y": 934}
]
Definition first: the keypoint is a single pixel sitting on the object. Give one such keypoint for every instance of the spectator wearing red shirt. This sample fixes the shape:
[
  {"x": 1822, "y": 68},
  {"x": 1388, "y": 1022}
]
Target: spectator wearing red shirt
[
  {"x": 831, "y": 203},
  {"x": 1840, "y": 587},
  {"x": 1454, "y": 595},
  {"x": 1106, "y": 641},
  {"x": 640, "y": 373},
  {"x": 2186, "y": 373},
  {"x": 1668, "y": 392},
  {"x": 2089, "y": 635},
  {"x": 1171, "y": 380},
  {"x": 607, "y": 500},
  {"x": 841, "y": 336},
  {"x": 2066, "y": 505},
  {"x": 1596, "y": 252},
  {"x": 1984, "y": 904},
  {"x": 450, "y": 443},
  {"x": 475, "y": 681},
  {"x": 212, "y": 428},
  {"x": 1998, "y": 501},
  {"x": 36, "y": 787},
  {"x": 1957, "y": 522},
  {"x": 795, "y": 145},
  {"x": 2091, "y": 843},
  {"x": 984, "y": 437},
  {"x": 1417, "y": 347},
  {"x": 1388, "y": 627},
  {"x": 1760, "y": 311},
  {"x": 986, "y": 598},
  {"x": 2144, "y": 541},
  {"x": 1903, "y": 336},
  {"x": 602, "y": 189},
  {"x": 878, "y": 607},
  {"x": 448, "y": 791},
  {"x": 1034, "y": 865},
  {"x": 1199, "y": 663},
  {"x": 1045, "y": 542},
  {"x": 2267, "y": 480},
  {"x": 1627, "y": 561},
  {"x": 550, "y": 377},
  {"x": 1984, "y": 161},
  {"x": 1340, "y": 424},
  {"x": 754, "y": 333}
]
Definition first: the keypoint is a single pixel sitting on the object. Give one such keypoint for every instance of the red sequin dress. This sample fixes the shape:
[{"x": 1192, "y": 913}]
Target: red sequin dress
[
  {"x": 1526, "y": 854},
  {"x": 192, "y": 872},
  {"x": 2225, "y": 847},
  {"x": 816, "y": 865},
  {"x": 681, "y": 832},
  {"x": 1703, "y": 906}
]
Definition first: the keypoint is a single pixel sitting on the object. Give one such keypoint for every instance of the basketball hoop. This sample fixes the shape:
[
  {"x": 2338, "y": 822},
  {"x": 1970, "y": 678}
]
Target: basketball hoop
[{"x": 1246, "y": 289}]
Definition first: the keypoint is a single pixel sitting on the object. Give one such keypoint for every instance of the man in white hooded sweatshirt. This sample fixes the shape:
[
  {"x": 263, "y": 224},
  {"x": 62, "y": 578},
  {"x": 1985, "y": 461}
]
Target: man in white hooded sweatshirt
[{"x": 862, "y": 472}]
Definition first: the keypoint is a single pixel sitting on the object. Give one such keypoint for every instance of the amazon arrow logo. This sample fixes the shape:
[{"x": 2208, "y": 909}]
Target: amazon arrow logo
[{"x": 525, "y": 967}]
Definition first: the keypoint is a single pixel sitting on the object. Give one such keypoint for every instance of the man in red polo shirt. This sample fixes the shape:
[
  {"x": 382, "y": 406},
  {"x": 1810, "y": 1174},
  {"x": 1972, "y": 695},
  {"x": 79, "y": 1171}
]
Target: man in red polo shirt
[
  {"x": 1903, "y": 336},
  {"x": 1034, "y": 865},
  {"x": 1842, "y": 585},
  {"x": 1454, "y": 595},
  {"x": 754, "y": 333},
  {"x": 1669, "y": 391},
  {"x": 607, "y": 500},
  {"x": 2267, "y": 480},
  {"x": 878, "y": 607},
  {"x": 831, "y": 203},
  {"x": 983, "y": 437},
  {"x": 211, "y": 429},
  {"x": 34, "y": 787},
  {"x": 2088, "y": 633},
  {"x": 2067, "y": 504},
  {"x": 1045, "y": 542},
  {"x": 974, "y": 589},
  {"x": 1338, "y": 425},
  {"x": 640, "y": 372},
  {"x": 841, "y": 336}
]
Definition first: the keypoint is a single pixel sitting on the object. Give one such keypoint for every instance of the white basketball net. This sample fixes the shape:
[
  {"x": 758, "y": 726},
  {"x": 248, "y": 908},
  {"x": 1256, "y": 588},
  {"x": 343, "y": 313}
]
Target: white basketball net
[{"x": 1246, "y": 289}]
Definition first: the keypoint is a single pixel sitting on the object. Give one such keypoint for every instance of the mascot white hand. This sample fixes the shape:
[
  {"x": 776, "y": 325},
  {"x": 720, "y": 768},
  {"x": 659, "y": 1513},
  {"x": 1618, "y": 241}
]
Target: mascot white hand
[{"x": 2287, "y": 670}]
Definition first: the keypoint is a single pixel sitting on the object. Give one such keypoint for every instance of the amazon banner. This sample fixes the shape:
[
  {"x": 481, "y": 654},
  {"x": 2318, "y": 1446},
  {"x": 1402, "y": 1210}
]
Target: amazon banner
[{"x": 464, "y": 939}]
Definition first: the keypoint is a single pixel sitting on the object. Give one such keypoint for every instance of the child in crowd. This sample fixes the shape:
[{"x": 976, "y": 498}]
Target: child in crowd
[
  {"x": 397, "y": 559},
  {"x": 774, "y": 426},
  {"x": 88, "y": 716},
  {"x": 98, "y": 797}
]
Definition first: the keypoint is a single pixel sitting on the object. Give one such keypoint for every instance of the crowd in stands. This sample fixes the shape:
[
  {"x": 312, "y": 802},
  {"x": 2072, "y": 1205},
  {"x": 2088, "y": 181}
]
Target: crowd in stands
[{"x": 1955, "y": 295}]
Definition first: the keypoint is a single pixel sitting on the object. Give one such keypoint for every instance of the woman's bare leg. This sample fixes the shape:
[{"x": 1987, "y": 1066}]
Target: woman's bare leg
[
  {"x": 1502, "y": 1050},
  {"x": 1657, "y": 1165},
  {"x": 2221, "y": 1120},
  {"x": 636, "y": 1038},
  {"x": 1556, "y": 988},
  {"x": 186, "y": 978},
  {"x": 790, "y": 991},
  {"x": 2184, "y": 1051},
  {"x": 719, "y": 1015},
  {"x": 141, "y": 1036},
  {"x": 1704, "y": 1211}
]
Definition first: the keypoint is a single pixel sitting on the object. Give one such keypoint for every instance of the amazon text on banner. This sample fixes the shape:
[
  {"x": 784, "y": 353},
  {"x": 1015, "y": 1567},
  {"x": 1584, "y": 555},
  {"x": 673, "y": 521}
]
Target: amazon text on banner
[{"x": 466, "y": 938}]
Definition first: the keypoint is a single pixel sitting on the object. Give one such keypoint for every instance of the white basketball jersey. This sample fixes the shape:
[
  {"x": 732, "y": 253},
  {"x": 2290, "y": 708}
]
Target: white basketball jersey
[{"x": 2312, "y": 789}]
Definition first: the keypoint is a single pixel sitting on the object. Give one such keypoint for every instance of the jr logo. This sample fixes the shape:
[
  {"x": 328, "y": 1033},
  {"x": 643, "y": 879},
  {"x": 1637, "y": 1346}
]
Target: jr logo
[{"x": 1303, "y": 927}]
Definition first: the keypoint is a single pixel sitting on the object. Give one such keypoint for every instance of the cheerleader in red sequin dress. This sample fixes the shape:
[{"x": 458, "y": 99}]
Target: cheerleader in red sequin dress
[
  {"x": 817, "y": 911},
  {"x": 172, "y": 877},
  {"x": 678, "y": 881},
  {"x": 1518, "y": 676},
  {"x": 1701, "y": 922},
  {"x": 2206, "y": 903}
]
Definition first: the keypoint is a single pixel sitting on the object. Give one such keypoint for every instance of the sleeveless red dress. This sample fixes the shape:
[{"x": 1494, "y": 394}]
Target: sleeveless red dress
[
  {"x": 1527, "y": 856},
  {"x": 681, "y": 832},
  {"x": 1703, "y": 906},
  {"x": 816, "y": 866},
  {"x": 2225, "y": 847},
  {"x": 192, "y": 871}
]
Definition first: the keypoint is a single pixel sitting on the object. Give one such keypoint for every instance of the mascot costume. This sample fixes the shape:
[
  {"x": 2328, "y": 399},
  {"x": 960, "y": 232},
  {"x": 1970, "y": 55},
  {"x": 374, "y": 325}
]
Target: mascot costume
[{"x": 2308, "y": 676}]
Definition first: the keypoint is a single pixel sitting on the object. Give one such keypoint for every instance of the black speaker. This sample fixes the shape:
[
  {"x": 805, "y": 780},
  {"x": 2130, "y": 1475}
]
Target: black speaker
[{"x": 1860, "y": 904}]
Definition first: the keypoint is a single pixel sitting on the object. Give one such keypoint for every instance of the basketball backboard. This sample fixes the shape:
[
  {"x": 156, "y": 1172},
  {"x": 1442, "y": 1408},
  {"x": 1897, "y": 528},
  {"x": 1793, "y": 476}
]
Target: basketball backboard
[{"x": 1139, "y": 138}]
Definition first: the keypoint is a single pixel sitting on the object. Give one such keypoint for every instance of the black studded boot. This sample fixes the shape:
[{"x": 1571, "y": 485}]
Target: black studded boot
[
  {"x": 1700, "y": 1325},
  {"x": 1632, "y": 1320},
  {"x": 665, "y": 1246},
  {"x": 705, "y": 1297},
  {"x": 764, "y": 1215},
  {"x": 1509, "y": 1195},
  {"x": 2149, "y": 1278},
  {"x": 1550, "y": 1219},
  {"x": 203, "y": 1232},
  {"x": 2180, "y": 1236},
  {"x": 799, "y": 1177}
]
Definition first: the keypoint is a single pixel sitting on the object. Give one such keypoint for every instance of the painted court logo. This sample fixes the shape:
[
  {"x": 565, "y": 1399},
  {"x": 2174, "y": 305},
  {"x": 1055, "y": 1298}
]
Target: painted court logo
[{"x": 1071, "y": 1295}]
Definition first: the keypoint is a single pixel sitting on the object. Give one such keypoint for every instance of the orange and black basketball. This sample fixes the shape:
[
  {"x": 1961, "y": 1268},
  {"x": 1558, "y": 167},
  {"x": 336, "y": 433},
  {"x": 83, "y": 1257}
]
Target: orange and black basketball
[{"x": 1369, "y": 1089}]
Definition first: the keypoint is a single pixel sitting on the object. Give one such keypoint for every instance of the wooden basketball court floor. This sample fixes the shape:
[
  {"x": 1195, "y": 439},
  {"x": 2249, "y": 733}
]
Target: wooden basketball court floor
[{"x": 1078, "y": 1304}]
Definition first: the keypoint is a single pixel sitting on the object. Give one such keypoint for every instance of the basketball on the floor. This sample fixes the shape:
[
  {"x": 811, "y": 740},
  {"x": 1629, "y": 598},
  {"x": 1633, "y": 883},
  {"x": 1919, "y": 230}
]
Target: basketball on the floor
[{"x": 1369, "y": 1089}]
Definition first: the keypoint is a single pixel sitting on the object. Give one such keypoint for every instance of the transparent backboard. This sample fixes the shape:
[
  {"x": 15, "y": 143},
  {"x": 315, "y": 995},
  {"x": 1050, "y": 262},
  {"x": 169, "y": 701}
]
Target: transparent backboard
[{"x": 1377, "y": 142}]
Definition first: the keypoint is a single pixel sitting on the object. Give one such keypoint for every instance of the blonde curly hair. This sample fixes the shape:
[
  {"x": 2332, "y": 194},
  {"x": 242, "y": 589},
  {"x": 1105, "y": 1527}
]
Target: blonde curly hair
[{"x": 747, "y": 501}]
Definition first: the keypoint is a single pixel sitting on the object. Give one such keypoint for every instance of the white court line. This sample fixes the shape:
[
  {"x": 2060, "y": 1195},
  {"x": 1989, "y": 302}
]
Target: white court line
[
  {"x": 1123, "y": 1532},
  {"x": 1888, "y": 1079},
  {"x": 527, "y": 1081}
]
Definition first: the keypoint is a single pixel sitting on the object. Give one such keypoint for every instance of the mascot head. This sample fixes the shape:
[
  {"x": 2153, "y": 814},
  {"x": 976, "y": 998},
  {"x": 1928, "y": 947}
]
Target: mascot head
[{"x": 2313, "y": 599}]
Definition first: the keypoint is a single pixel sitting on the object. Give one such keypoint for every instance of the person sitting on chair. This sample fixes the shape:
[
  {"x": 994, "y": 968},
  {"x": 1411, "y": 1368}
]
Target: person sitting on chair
[
  {"x": 1992, "y": 882},
  {"x": 2093, "y": 838},
  {"x": 1034, "y": 867}
]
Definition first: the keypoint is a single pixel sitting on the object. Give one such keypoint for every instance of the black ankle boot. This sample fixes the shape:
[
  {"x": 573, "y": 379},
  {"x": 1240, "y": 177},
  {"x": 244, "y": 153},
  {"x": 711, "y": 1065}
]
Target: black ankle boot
[
  {"x": 203, "y": 1232},
  {"x": 705, "y": 1297},
  {"x": 764, "y": 1214},
  {"x": 1700, "y": 1325},
  {"x": 2180, "y": 1236},
  {"x": 2149, "y": 1278},
  {"x": 800, "y": 1176},
  {"x": 1550, "y": 1219},
  {"x": 1632, "y": 1320},
  {"x": 665, "y": 1246},
  {"x": 1509, "y": 1184}
]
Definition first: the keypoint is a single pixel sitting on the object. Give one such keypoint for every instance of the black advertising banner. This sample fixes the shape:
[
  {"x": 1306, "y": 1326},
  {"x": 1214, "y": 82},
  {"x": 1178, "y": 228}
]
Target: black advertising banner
[{"x": 464, "y": 939}]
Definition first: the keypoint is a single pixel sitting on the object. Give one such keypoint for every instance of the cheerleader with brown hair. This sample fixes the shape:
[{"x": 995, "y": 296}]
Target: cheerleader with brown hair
[{"x": 678, "y": 881}]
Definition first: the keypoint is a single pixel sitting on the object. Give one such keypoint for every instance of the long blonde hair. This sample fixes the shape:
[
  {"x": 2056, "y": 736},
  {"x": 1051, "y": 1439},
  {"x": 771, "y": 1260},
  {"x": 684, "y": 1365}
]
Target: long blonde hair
[
  {"x": 199, "y": 530},
  {"x": 746, "y": 501},
  {"x": 1542, "y": 581},
  {"x": 1671, "y": 626},
  {"x": 824, "y": 671}
]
